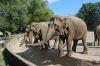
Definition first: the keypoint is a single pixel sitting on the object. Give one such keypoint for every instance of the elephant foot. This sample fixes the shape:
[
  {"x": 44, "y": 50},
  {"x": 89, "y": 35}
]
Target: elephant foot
[
  {"x": 44, "y": 48},
  {"x": 85, "y": 51},
  {"x": 54, "y": 47},
  {"x": 62, "y": 55},
  {"x": 69, "y": 54},
  {"x": 74, "y": 50}
]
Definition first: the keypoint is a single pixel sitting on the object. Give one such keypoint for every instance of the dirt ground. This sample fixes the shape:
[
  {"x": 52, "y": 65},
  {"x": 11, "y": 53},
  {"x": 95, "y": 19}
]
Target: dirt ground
[{"x": 51, "y": 58}]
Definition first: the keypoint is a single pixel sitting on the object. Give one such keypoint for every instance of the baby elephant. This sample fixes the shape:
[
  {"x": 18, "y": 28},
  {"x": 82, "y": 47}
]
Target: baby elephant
[{"x": 97, "y": 35}]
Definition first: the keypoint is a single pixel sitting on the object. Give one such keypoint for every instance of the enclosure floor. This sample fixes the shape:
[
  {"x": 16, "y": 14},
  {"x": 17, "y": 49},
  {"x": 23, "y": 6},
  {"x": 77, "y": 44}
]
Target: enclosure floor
[{"x": 51, "y": 58}]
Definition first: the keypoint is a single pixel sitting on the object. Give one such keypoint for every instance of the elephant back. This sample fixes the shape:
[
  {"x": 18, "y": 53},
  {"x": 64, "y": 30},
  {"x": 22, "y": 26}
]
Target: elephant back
[{"x": 77, "y": 27}]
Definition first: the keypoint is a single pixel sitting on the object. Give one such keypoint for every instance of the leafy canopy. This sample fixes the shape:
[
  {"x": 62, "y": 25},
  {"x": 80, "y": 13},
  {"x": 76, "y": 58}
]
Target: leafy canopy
[
  {"x": 16, "y": 14},
  {"x": 90, "y": 13}
]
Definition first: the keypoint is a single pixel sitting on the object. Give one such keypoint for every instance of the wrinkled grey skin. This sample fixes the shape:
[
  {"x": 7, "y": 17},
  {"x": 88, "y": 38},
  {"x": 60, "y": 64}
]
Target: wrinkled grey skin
[
  {"x": 68, "y": 28},
  {"x": 39, "y": 31},
  {"x": 31, "y": 34},
  {"x": 97, "y": 35},
  {"x": 72, "y": 29}
]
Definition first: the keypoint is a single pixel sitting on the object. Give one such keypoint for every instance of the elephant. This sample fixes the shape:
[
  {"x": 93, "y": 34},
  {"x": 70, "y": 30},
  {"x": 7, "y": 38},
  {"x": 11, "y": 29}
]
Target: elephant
[
  {"x": 39, "y": 31},
  {"x": 97, "y": 35},
  {"x": 69, "y": 28},
  {"x": 32, "y": 33},
  {"x": 26, "y": 34}
]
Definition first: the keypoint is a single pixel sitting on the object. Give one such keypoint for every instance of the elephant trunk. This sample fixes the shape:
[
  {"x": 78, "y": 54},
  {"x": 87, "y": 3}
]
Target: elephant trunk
[
  {"x": 49, "y": 34},
  {"x": 30, "y": 36}
]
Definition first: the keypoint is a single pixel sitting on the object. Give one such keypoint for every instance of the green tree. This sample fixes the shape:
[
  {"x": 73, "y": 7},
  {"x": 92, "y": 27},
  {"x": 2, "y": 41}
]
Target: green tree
[
  {"x": 90, "y": 13},
  {"x": 39, "y": 11},
  {"x": 19, "y": 13},
  {"x": 4, "y": 25}
]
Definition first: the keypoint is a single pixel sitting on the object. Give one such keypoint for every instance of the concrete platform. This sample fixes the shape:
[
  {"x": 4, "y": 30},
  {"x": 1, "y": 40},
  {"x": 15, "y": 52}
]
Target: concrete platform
[{"x": 50, "y": 57}]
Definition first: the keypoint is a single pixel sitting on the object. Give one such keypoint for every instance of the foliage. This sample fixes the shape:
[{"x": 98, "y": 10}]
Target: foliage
[
  {"x": 40, "y": 12},
  {"x": 3, "y": 24},
  {"x": 16, "y": 14},
  {"x": 90, "y": 13}
]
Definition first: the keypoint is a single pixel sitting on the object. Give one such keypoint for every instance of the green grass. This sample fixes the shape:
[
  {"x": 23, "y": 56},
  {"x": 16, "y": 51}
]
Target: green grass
[
  {"x": 10, "y": 37},
  {"x": 2, "y": 62}
]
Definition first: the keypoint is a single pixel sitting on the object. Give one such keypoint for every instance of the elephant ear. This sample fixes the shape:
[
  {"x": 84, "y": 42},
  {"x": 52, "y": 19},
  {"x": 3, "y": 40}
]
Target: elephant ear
[
  {"x": 66, "y": 25},
  {"x": 60, "y": 18}
]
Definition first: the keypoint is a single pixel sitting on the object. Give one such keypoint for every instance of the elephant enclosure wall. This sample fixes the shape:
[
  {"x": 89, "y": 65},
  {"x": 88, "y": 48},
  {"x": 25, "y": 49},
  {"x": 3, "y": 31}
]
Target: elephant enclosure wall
[{"x": 33, "y": 56}]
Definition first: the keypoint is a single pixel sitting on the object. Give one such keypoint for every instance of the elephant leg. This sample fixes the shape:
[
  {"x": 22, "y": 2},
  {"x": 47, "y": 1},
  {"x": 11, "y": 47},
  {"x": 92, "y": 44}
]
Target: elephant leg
[
  {"x": 25, "y": 40},
  {"x": 74, "y": 45},
  {"x": 30, "y": 36},
  {"x": 98, "y": 41},
  {"x": 55, "y": 44},
  {"x": 85, "y": 45},
  {"x": 60, "y": 47},
  {"x": 95, "y": 39},
  {"x": 43, "y": 46},
  {"x": 46, "y": 45},
  {"x": 69, "y": 50}
]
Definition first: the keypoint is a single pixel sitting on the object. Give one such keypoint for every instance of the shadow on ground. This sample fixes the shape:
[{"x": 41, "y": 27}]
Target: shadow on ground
[{"x": 51, "y": 58}]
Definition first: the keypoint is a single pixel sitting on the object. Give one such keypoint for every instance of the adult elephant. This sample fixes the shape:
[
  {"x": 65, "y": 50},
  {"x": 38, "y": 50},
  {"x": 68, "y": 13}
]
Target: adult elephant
[
  {"x": 97, "y": 35},
  {"x": 32, "y": 31},
  {"x": 39, "y": 31},
  {"x": 68, "y": 28}
]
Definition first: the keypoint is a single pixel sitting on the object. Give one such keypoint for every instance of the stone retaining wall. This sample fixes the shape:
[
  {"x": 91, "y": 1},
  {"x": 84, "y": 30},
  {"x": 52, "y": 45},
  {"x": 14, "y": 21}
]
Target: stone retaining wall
[{"x": 12, "y": 58}]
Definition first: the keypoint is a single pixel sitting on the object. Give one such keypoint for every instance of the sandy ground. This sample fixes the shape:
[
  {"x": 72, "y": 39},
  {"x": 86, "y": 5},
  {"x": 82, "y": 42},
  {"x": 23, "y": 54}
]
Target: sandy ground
[{"x": 50, "y": 57}]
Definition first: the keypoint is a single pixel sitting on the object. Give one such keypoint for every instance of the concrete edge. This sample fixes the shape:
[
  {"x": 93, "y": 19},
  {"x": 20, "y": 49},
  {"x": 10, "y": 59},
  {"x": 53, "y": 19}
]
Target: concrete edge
[{"x": 14, "y": 55}]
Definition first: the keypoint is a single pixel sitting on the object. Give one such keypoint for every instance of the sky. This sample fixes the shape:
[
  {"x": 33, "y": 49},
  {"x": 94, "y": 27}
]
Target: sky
[{"x": 65, "y": 7}]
